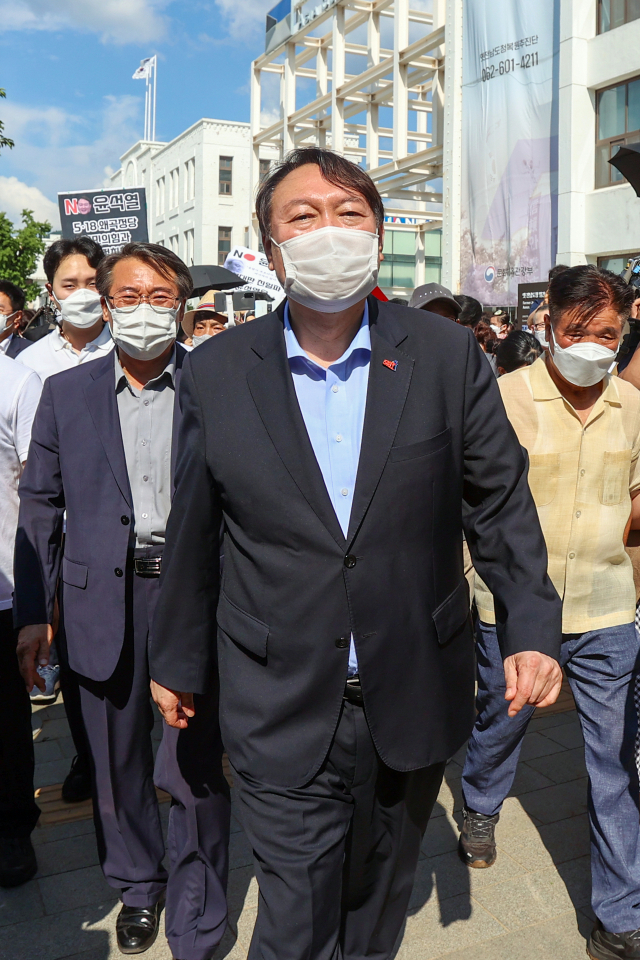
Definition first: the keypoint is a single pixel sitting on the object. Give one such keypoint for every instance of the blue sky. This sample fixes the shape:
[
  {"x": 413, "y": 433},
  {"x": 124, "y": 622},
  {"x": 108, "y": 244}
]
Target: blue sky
[{"x": 72, "y": 107}]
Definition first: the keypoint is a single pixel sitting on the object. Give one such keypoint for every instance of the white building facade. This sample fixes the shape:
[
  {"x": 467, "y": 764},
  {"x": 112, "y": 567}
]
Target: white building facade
[
  {"x": 198, "y": 188},
  {"x": 599, "y": 110}
]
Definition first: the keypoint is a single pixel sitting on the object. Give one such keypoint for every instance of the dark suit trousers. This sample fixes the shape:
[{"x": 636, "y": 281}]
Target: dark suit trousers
[
  {"x": 119, "y": 720},
  {"x": 336, "y": 859},
  {"x": 18, "y": 810},
  {"x": 71, "y": 690}
]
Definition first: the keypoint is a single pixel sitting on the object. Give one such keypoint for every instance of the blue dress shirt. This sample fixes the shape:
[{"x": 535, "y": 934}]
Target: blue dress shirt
[{"x": 332, "y": 402}]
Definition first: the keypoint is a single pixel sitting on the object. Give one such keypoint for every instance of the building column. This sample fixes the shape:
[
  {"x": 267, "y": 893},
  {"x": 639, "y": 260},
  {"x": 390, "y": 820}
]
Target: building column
[
  {"x": 452, "y": 147},
  {"x": 400, "y": 89},
  {"x": 337, "y": 80},
  {"x": 373, "y": 43},
  {"x": 576, "y": 125}
]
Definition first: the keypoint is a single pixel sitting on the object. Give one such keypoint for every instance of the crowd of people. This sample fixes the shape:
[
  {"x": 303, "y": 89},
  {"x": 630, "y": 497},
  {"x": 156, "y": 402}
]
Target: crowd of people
[{"x": 272, "y": 529}]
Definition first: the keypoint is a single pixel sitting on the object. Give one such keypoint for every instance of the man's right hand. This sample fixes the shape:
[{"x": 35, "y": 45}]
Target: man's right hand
[
  {"x": 33, "y": 652},
  {"x": 176, "y": 707},
  {"x": 533, "y": 678}
]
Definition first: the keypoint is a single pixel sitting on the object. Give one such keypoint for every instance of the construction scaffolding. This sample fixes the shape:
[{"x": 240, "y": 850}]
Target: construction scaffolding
[{"x": 418, "y": 83}]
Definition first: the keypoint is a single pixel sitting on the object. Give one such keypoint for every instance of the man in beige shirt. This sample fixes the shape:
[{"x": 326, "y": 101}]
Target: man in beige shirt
[{"x": 581, "y": 429}]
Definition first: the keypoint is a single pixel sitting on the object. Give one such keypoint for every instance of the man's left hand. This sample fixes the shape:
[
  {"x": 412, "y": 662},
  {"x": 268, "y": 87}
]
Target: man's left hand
[
  {"x": 176, "y": 707},
  {"x": 533, "y": 678}
]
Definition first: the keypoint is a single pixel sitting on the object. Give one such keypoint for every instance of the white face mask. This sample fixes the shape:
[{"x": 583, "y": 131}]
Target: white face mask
[
  {"x": 583, "y": 364},
  {"x": 330, "y": 269},
  {"x": 6, "y": 320},
  {"x": 143, "y": 331},
  {"x": 197, "y": 340},
  {"x": 495, "y": 328},
  {"x": 81, "y": 309},
  {"x": 541, "y": 337}
]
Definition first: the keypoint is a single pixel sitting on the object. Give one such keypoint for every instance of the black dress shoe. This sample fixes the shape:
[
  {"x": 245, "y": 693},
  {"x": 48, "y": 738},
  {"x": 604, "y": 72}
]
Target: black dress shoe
[
  {"x": 603, "y": 945},
  {"x": 77, "y": 785},
  {"x": 17, "y": 861},
  {"x": 137, "y": 928}
]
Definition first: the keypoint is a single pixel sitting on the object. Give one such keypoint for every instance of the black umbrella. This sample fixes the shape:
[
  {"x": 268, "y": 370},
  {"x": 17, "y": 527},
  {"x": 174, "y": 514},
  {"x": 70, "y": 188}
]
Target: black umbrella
[
  {"x": 627, "y": 161},
  {"x": 212, "y": 277}
]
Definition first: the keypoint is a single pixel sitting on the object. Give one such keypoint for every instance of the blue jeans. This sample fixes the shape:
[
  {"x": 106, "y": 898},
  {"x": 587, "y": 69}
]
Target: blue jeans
[{"x": 601, "y": 667}]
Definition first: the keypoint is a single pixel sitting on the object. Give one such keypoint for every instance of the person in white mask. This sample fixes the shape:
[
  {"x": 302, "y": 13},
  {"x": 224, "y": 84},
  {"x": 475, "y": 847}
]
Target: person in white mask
[
  {"x": 328, "y": 440},
  {"x": 581, "y": 427},
  {"x": 204, "y": 321},
  {"x": 12, "y": 300},
  {"x": 80, "y": 333},
  {"x": 103, "y": 443}
]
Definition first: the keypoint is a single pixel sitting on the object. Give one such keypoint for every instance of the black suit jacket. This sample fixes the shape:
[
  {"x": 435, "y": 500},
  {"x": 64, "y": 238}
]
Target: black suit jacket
[
  {"x": 76, "y": 462},
  {"x": 16, "y": 346},
  {"x": 438, "y": 454}
]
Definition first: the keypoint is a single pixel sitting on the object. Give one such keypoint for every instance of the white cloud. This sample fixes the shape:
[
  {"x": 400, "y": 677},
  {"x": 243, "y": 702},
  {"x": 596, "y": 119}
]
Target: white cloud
[
  {"x": 53, "y": 152},
  {"x": 115, "y": 21},
  {"x": 245, "y": 17},
  {"x": 16, "y": 196}
]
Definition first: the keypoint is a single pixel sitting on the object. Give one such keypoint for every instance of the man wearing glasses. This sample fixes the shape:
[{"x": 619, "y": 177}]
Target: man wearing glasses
[{"x": 102, "y": 448}]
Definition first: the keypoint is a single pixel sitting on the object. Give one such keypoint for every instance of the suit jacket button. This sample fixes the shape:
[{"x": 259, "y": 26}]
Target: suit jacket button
[
  {"x": 342, "y": 642},
  {"x": 350, "y": 561},
  {"x": 118, "y": 572},
  {"x": 125, "y": 521}
]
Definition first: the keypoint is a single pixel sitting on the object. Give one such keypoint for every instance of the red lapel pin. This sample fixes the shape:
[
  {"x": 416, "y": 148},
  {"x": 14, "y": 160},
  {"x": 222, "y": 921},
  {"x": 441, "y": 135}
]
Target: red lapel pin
[{"x": 391, "y": 364}]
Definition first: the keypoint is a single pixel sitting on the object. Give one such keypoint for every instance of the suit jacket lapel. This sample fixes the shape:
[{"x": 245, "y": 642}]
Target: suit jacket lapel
[
  {"x": 386, "y": 396},
  {"x": 100, "y": 395},
  {"x": 273, "y": 392}
]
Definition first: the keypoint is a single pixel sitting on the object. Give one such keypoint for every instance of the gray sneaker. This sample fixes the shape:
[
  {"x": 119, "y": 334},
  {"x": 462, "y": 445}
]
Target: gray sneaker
[
  {"x": 477, "y": 844},
  {"x": 51, "y": 676}
]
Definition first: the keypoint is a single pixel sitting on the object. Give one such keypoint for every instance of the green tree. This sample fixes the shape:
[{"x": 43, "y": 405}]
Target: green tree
[
  {"x": 4, "y": 141},
  {"x": 20, "y": 248}
]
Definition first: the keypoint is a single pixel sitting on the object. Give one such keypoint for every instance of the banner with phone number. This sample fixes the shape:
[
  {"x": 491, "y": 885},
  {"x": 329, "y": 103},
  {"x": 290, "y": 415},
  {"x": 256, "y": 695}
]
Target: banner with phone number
[{"x": 509, "y": 146}]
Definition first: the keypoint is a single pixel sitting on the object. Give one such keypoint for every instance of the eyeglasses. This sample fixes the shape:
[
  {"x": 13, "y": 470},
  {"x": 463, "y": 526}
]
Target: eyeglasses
[{"x": 159, "y": 300}]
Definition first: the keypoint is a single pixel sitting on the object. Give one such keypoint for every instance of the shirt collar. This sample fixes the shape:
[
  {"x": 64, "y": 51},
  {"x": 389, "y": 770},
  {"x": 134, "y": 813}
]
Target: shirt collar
[
  {"x": 101, "y": 342},
  {"x": 361, "y": 341},
  {"x": 544, "y": 388},
  {"x": 121, "y": 377}
]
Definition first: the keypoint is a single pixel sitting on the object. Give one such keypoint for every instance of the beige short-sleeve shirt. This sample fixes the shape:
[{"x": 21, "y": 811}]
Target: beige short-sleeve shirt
[{"x": 582, "y": 479}]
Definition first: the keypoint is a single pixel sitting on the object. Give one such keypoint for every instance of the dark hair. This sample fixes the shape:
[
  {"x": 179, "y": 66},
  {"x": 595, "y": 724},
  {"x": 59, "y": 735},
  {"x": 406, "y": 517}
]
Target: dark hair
[
  {"x": 557, "y": 270},
  {"x": 15, "y": 294},
  {"x": 470, "y": 310},
  {"x": 167, "y": 263},
  {"x": 61, "y": 249},
  {"x": 588, "y": 290},
  {"x": 519, "y": 349},
  {"x": 485, "y": 336},
  {"x": 334, "y": 169},
  {"x": 400, "y": 300}
]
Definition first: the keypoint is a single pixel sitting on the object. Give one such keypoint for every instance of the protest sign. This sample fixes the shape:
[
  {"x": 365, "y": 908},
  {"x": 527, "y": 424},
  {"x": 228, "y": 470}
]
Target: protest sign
[{"x": 110, "y": 217}]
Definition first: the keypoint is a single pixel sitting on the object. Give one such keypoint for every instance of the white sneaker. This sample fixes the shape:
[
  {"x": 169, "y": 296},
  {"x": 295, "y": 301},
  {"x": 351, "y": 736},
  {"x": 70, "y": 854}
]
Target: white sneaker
[{"x": 51, "y": 676}]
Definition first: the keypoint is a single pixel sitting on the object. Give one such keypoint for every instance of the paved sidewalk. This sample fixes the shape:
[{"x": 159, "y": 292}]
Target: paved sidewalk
[{"x": 532, "y": 905}]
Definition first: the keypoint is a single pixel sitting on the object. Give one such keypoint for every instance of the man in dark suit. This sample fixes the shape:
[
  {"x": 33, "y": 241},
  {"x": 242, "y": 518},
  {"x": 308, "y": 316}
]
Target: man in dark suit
[
  {"x": 102, "y": 449},
  {"x": 12, "y": 300},
  {"x": 344, "y": 443}
]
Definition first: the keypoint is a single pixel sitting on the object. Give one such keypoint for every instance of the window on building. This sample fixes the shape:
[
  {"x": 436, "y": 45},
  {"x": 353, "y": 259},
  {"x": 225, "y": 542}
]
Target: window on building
[
  {"x": 188, "y": 247},
  {"x": 613, "y": 13},
  {"x": 225, "y": 175},
  {"x": 160, "y": 188},
  {"x": 617, "y": 123},
  {"x": 224, "y": 244},
  {"x": 265, "y": 166},
  {"x": 190, "y": 179},
  {"x": 174, "y": 188},
  {"x": 617, "y": 263},
  {"x": 398, "y": 269},
  {"x": 174, "y": 243}
]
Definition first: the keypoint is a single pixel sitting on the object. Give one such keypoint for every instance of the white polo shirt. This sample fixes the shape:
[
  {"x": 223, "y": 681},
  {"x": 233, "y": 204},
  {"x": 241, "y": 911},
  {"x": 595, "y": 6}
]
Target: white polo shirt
[
  {"x": 53, "y": 353},
  {"x": 20, "y": 390}
]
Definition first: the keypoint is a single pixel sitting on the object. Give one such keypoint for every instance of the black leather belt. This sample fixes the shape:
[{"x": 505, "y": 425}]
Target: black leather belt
[
  {"x": 148, "y": 566},
  {"x": 353, "y": 691}
]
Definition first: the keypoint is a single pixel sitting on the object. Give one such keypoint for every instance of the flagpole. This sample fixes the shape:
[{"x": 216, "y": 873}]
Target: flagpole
[
  {"x": 147, "y": 110},
  {"x": 155, "y": 85}
]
